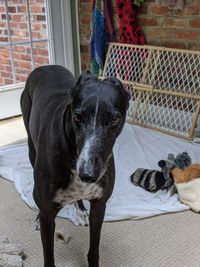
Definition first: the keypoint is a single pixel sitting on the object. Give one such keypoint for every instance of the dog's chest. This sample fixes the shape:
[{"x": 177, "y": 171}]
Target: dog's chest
[{"x": 77, "y": 190}]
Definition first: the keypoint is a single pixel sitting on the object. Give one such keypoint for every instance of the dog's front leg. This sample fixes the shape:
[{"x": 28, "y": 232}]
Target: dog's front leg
[
  {"x": 97, "y": 212},
  {"x": 47, "y": 229}
]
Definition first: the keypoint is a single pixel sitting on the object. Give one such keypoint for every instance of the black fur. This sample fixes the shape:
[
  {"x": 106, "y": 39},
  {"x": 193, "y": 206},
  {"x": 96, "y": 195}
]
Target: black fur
[{"x": 59, "y": 115}]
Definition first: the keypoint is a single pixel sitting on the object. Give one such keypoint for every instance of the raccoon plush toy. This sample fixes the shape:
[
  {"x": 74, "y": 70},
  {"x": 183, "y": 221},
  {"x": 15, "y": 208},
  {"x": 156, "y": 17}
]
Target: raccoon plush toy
[{"x": 153, "y": 180}]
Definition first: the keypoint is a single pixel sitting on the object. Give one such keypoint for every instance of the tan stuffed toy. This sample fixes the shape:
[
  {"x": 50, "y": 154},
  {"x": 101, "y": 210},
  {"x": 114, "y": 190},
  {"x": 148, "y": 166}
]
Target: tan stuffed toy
[{"x": 187, "y": 182}]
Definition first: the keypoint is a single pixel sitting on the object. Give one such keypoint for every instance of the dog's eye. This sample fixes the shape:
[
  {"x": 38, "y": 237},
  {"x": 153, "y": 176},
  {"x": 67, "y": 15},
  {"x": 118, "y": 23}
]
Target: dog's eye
[
  {"x": 115, "y": 119},
  {"x": 77, "y": 118}
]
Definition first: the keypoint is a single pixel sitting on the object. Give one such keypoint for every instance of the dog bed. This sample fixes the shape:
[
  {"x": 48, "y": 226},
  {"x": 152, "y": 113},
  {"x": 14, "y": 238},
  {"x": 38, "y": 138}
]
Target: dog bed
[{"x": 136, "y": 147}]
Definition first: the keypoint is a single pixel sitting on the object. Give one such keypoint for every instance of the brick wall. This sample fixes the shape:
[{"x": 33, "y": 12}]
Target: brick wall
[
  {"x": 162, "y": 26},
  {"x": 19, "y": 33}
]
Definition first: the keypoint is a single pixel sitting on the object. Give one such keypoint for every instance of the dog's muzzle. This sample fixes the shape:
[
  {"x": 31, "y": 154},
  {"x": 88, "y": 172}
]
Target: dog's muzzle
[
  {"x": 85, "y": 177},
  {"x": 90, "y": 171}
]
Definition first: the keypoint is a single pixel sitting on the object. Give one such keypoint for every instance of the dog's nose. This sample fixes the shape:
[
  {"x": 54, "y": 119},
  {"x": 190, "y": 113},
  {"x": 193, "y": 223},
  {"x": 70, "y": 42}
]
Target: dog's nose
[{"x": 85, "y": 177}]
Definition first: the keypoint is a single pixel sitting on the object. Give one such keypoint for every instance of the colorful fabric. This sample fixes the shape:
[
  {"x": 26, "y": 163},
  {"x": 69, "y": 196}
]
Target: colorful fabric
[
  {"x": 129, "y": 31},
  {"x": 102, "y": 32}
]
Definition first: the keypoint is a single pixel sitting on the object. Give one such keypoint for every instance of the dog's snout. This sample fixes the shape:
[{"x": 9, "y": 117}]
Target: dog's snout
[{"x": 87, "y": 178}]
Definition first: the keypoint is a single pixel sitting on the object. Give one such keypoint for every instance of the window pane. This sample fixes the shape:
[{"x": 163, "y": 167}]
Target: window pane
[
  {"x": 22, "y": 61},
  {"x": 6, "y": 76},
  {"x": 38, "y": 19},
  {"x": 40, "y": 53},
  {"x": 18, "y": 20},
  {"x": 18, "y": 60}
]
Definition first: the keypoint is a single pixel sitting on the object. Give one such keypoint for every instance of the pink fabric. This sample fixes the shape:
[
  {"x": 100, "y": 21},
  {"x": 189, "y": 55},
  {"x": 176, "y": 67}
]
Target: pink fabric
[{"x": 176, "y": 4}]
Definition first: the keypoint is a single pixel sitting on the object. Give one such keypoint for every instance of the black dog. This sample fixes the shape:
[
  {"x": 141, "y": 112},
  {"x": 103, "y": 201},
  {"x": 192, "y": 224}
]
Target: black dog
[{"x": 71, "y": 129}]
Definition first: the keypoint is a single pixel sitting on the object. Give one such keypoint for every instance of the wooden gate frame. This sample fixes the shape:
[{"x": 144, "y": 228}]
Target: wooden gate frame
[{"x": 143, "y": 87}]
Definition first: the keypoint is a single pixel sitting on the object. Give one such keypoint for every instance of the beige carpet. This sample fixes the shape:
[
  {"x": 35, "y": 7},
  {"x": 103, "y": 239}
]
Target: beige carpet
[
  {"x": 168, "y": 240},
  {"x": 171, "y": 240}
]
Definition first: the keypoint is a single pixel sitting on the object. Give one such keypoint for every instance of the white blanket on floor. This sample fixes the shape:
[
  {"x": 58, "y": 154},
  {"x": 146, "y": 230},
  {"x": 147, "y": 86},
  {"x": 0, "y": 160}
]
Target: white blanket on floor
[{"x": 135, "y": 148}]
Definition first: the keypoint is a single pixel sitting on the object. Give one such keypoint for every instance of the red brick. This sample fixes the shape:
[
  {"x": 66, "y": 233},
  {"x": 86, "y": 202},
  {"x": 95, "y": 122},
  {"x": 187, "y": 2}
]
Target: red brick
[
  {"x": 4, "y": 39},
  {"x": 5, "y": 74},
  {"x": 41, "y": 17},
  {"x": 16, "y": 39},
  {"x": 84, "y": 49},
  {"x": 187, "y": 35},
  {"x": 35, "y": 9},
  {"x": 21, "y": 78},
  {"x": 159, "y": 33},
  {"x": 3, "y": 24},
  {"x": 12, "y": 9},
  {"x": 2, "y": 67},
  {"x": 142, "y": 10},
  {"x": 174, "y": 44},
  {"x": 17, "y": 56},
  {"x": 160, "y": 10},
  {"x": 148, "y": 21},
  {"x": 21, "y": 9},
  {"x": 40, "y": 60},
  {"x": 13, "y": 24},
  {"x": 2, "y": 9},
  {"x": 86, "y": 8},
  {"x": 3, "y": 16},
  {"x": 18, "y": 33},
  {"x": 24, "y": 64},
  {"x": 19, "y": 48},
  {"x": 86, "y": 20},
  {"x": 17, "y": 17},
  {"x": 41, "y": 52},
  {"x": 86, "y": 57},
  {"x": 172, "y": 22},
  {"x": 191, "y": 10},
  {"x": 4, "y": 53},
  {"x": 36, "y": 27},
  {"x": 194, "y": 23},
  {"x": 8, "y": 68}
]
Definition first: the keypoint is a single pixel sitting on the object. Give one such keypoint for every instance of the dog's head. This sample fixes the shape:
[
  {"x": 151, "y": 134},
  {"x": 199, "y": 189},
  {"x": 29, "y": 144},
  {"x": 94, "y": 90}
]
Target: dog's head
[{"x": 98, "y": 113}]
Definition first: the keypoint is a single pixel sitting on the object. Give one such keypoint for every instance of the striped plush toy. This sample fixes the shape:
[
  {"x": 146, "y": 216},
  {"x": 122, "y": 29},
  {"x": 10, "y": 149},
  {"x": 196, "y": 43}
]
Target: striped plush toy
[
  {"x": 150, "y": 180},
  {"x": 153, "y": 180}
]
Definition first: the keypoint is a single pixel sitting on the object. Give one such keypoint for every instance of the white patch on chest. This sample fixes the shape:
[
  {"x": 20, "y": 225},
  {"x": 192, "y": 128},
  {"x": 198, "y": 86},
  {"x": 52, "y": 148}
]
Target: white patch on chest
[{"x": 78, "y": 190}]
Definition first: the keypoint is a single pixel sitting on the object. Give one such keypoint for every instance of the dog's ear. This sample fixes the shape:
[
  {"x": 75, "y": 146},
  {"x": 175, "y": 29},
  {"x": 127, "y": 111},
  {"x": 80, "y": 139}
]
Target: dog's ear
[
  {"x": 85, "y": 77},
  {"x": 161, "y": 163},
  {"x": 117, "y": 82},
  {"x": 113, "y": 80}
]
